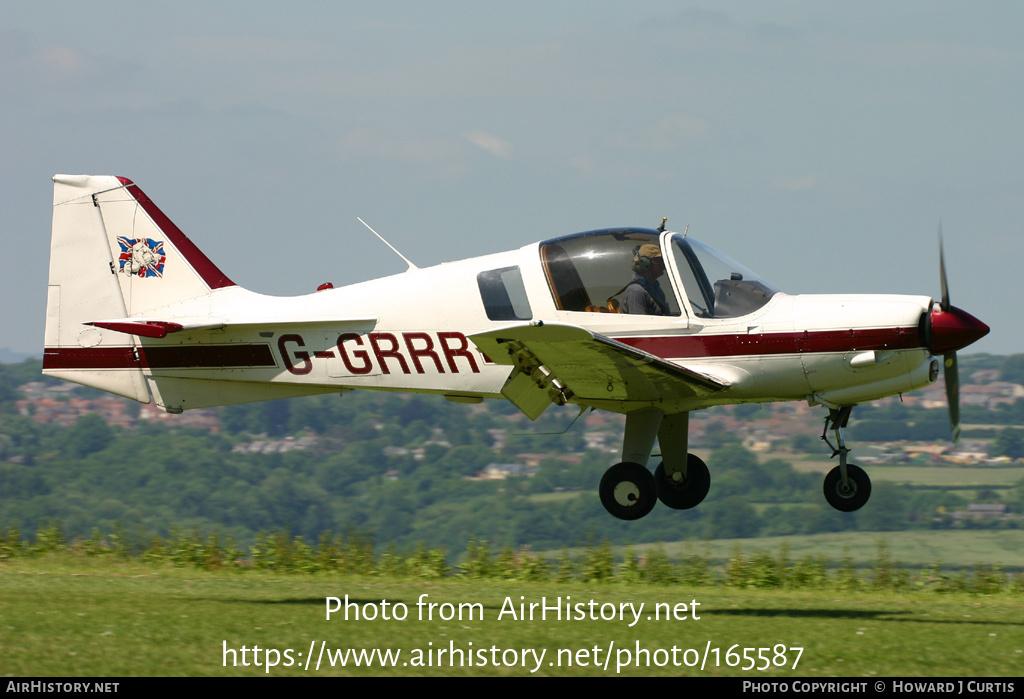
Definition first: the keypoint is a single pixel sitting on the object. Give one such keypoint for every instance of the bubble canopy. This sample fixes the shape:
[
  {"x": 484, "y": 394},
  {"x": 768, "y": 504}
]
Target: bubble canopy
[{"x": 592, "y": 271}]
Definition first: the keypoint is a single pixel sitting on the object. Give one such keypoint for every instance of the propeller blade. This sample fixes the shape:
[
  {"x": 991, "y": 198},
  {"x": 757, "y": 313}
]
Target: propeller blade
[
  {"x": 950, "y": 370},
  {"x": 951, "y": 375},
  {"x": 942, "y": 274},
  {"x": 948, "y": 329}
]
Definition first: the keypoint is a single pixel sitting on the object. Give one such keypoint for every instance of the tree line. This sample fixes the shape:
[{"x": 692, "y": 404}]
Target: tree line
[{"x": 157, "y": 476}]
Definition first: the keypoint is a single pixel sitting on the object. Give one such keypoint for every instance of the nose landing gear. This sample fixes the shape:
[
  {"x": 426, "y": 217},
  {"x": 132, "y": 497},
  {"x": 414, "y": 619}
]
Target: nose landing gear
[{"x": 847, "y": 487}]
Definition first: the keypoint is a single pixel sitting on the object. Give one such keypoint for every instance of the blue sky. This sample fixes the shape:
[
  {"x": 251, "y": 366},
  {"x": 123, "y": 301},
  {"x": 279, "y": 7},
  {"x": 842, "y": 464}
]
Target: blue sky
[{"x": 819, "y": 143}]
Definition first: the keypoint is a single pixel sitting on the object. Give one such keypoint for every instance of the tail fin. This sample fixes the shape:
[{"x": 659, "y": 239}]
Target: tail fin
[{"x": 113, "y": 254}]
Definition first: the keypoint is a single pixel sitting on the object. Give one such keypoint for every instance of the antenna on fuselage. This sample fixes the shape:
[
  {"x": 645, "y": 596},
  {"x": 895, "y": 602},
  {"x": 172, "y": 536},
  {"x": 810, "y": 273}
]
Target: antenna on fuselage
[
  {"x": 664, "y": 220},
  {"x": 393, "y": 248}
]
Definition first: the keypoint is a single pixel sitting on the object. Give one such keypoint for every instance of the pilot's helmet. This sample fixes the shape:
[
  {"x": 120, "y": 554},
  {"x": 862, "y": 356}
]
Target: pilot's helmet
[{"x": 644, "y": 256}]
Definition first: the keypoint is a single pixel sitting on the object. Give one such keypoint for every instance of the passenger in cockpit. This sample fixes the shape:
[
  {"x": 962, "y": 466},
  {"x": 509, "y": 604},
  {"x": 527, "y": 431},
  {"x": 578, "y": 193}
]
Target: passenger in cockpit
[{"x": 644, "y": 294}]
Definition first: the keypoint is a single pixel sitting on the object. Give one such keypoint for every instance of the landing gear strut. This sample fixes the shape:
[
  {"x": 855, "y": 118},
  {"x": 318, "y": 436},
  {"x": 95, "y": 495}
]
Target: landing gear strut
[
  {"x": 847, "y": 487},
  {"x": 629, "y": 491}
]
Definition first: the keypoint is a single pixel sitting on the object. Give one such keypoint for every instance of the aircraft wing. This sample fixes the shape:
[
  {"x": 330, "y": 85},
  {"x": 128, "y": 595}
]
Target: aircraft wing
[{"x": 557, "y": 363}]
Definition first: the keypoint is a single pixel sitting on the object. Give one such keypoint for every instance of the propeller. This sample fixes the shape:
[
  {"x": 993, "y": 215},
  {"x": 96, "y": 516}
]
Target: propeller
[
  {"x": 950, "y": 370},
  {"x": 948, "y": 330}
]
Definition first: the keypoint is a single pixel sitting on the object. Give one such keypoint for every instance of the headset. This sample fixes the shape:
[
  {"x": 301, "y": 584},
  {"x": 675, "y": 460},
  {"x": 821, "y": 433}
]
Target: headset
[{"x": 641, "y": 263}]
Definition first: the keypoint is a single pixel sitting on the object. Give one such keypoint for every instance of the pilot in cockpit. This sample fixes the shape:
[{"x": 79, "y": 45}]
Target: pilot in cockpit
[{"x": 644, "y": 294}]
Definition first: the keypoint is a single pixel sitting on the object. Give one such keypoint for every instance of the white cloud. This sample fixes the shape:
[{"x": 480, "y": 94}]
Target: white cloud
[
  {"x": 388, "y": 146},
  {"x": 63, "y": 58},
  {"x": 490, "y": 143},
  {"x": 447, "y": 155}
]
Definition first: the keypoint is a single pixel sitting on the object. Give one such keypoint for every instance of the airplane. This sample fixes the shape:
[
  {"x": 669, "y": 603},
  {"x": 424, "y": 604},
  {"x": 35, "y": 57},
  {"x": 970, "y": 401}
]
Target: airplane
[{"x": 645, "y": 322}]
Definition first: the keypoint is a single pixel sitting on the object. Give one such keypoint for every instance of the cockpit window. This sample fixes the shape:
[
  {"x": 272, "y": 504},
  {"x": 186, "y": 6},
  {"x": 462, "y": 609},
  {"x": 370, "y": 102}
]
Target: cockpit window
[
  {"x": 609, "y": 271},
  {"x": 716, "y": 285},
  {"x": 504, "y": 294}
]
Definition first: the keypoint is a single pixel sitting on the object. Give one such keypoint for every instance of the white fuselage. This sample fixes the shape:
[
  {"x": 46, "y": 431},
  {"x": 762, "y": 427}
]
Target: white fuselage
[{"x": 409, "y": 332}]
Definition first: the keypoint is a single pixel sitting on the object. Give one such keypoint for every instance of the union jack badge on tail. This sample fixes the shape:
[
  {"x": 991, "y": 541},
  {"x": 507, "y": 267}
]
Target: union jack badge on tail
[{"x": 143, "y": 257}]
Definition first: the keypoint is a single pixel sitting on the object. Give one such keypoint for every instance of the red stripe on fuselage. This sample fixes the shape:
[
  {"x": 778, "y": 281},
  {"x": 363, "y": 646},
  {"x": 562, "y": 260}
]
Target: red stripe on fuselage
[
  {"x": 207, "y": 356},
  {"x": 89, "y": 358},
  {"x": 680, "y": 346},
  {"x": 159, "y": 357},
  {"x": 667, "y": 347}
]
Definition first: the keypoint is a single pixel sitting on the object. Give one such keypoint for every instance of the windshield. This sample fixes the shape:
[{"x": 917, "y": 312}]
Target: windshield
[{"x": 716, "y": 285}]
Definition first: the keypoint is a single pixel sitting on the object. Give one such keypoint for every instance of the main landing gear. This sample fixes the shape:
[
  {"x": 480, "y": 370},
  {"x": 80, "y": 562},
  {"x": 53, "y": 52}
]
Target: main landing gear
[
  {"x": 629, "y": 491},
  {"x": 847, "y": 487},
  {"x": 681, "y": 491}
]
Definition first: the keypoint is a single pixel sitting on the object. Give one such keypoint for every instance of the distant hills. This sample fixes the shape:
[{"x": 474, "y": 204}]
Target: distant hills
[{"x": 9, "y": 356}]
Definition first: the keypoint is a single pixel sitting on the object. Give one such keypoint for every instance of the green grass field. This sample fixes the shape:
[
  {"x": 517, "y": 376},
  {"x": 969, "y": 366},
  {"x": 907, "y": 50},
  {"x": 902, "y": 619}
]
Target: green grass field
[
  {"x": 928, "y": 475},
  {"x": 950, "y": 476},
  {"x": 912, "y": 550},
  {"x": 65, "y": 615}
]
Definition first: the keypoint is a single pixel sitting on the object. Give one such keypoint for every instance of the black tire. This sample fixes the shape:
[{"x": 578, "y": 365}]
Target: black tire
[
  {"x": 628, "y": 491},
  {"x": 854, "y": 495},
  {"x": 691, "y": 491}
]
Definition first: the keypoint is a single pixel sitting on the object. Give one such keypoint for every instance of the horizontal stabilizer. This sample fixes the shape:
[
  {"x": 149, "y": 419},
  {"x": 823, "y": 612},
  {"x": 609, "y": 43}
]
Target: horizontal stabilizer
[
  {"x": 152, "y": 327},
  {"x": 147, "y": 328}
]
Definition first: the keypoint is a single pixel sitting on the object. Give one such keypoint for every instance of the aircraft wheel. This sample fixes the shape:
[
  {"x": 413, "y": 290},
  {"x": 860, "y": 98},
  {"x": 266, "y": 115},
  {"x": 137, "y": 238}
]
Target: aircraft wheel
[
  {"x": 628, "y": 491},
  {"x": 853, "y": 495},
  {"x": 688, "y": 493}
]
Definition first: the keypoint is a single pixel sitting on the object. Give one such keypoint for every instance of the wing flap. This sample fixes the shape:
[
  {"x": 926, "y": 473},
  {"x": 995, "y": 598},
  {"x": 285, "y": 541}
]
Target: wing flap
[{"x": 566, "y": 362}]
